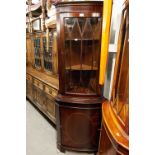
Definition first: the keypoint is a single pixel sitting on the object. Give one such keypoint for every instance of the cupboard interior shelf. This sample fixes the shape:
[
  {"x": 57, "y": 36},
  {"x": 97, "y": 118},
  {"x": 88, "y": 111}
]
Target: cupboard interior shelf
[
  {"x": 81, "y": 67},
  {"x": 82, "y": 39},
  {"x": 81, "y": 90}
]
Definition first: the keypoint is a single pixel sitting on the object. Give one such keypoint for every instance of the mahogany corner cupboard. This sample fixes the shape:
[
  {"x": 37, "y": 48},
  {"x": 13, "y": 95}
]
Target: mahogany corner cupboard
[{"x": 78, "y": 110}]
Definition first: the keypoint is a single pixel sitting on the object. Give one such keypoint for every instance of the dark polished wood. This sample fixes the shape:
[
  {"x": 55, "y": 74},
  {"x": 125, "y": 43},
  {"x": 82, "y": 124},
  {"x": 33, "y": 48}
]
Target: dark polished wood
[
  {"x": 105, "y": 144},
  {"x": 78, "y": 110},
  {"x": 114, "y": 137},
  {"x": 69, "y": 10},
  {"x": 78, "y": 125}
]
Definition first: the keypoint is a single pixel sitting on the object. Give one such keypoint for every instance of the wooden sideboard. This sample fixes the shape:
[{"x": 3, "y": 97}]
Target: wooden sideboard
[
  {"x": 41, "y": 89},
  {"x": 41, "y": 63}
]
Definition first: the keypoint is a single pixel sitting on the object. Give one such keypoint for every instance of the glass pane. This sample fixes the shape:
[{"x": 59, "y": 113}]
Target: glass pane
[
  {"x": 47, "y": 55},
  {"x": 50, "y": 53},
  {"x": 37, "y": 57},
  {"x": 123, "y": 88},
  {"x": 87, "y": 32},
  {"x": 82, "y": 49},
  {"x": 121, "y": 94}
]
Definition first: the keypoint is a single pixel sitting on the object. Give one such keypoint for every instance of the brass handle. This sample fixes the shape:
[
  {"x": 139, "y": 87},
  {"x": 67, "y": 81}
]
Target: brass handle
[{"x": 50, "y": 91}]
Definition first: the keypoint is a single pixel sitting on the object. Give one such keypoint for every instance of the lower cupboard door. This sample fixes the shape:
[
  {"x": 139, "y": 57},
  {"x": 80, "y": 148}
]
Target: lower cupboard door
[
  {"x": 80, "y": 128},
  {"x": 50, "y": 107},
  {"x": 38, "y": 96}
]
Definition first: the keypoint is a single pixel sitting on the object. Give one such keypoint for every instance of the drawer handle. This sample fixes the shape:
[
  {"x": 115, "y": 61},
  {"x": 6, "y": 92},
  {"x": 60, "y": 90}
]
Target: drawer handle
[
  {"x": 50, "y": 91},
  {"x": 54, "y": 93}
]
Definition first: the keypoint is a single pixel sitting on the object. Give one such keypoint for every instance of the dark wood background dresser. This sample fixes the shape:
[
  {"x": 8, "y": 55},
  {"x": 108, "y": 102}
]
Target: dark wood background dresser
[{"x": 42, "y": 82}]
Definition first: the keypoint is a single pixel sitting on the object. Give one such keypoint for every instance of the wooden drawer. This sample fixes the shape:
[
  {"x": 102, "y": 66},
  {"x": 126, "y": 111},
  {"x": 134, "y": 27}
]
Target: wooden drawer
[
  {"x": 38, "y": 96},
  {"x": 29, "y": 77},
  {"x": 51, "y": 91},
  {"x": 38, "y": 84}
]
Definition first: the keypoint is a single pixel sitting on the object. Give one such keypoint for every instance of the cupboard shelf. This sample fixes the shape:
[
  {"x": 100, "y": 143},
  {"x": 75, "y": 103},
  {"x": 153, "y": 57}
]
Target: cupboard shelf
[
  {"x": 81, "y": 67},
  {"x": 82, "y": 39}
]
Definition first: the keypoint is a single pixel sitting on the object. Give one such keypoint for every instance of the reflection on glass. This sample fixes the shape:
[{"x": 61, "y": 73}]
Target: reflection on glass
[
  {"x": 50, "y": 54},
  {"x": 37, "y": 57},
  {"x": 122, "y": 94},
  {"x": 82, "y": 48},
  {"x": 121, "y": 90},
  {"x": 47, "y": 56},
  {"x": 112, "y": 33}
]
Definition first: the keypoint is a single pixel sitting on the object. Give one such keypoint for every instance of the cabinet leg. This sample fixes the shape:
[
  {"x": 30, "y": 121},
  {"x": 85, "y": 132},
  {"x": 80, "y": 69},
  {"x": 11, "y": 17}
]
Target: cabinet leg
[
  {"x": 96, "y": 153},
  {"x": 61, "y": 149}
]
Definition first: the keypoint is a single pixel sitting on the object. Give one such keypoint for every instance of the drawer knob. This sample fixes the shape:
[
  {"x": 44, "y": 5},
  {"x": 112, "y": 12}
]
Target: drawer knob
[{"x": 50, "y": 91}]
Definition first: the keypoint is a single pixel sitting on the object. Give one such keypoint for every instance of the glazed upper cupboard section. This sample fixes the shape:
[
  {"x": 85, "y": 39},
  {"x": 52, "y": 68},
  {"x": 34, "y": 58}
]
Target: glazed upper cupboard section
[
  {"x": 45, "y": 52},
  {"x": 82, "y": 28},
  {"x": 120, "y": 94},
  {"x": 82, "y": 51},
  {"x": 79, "y": 41},
  {"x": 53, "y": 48},
  {"x": 37, "y": 52}
]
